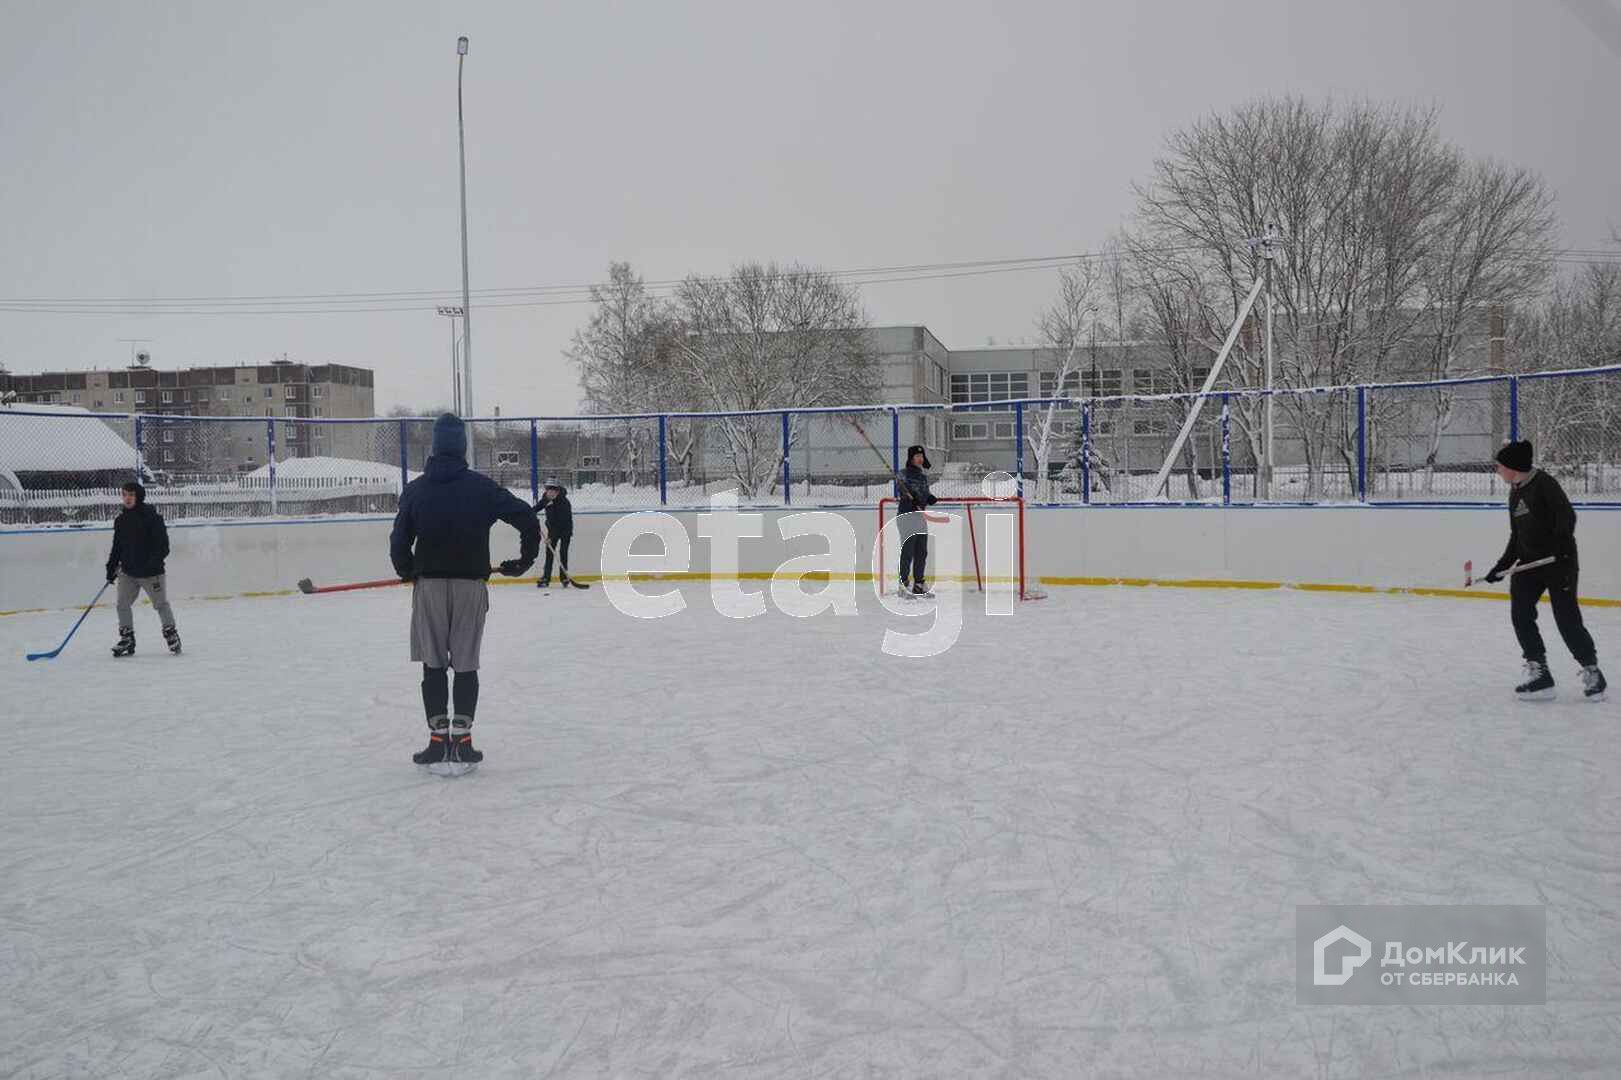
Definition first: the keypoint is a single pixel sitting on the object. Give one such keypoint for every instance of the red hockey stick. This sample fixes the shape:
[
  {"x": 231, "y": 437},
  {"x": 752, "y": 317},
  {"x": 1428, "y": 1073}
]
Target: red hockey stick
[{"x": 309, "y": 588}]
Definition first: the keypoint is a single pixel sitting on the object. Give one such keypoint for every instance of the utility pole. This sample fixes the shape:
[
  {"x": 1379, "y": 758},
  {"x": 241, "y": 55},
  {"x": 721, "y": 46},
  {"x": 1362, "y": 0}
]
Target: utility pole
[
  {"x": 1266, "y": 246},
  {"x": 467, "y": 303}
]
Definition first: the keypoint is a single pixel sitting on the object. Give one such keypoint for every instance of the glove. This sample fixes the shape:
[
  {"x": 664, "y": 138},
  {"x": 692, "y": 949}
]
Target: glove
[
  {"x": 515, "y": 567},
  {"x": 112, "y": 577},
  {"x": 1494, "y": 576}
]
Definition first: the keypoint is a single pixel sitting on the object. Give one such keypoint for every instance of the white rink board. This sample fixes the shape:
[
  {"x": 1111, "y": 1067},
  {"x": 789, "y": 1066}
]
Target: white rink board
[{"x": 1402, "y": 547}]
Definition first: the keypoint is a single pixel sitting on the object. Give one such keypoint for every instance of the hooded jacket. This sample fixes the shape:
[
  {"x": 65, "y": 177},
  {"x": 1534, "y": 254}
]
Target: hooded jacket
[
  {"x": 559, "y": 514},
  {"x": 140, "y": 541},
  {"x": 442, "y": 529}
]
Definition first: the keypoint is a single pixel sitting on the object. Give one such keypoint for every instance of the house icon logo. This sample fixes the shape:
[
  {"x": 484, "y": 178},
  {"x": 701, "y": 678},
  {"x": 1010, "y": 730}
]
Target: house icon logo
[{"x": 1348, "y": 962}]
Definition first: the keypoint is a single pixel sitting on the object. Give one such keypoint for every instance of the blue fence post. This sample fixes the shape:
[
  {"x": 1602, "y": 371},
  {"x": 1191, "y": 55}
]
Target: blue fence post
[
  {"x": 1362, "y": 444},
  {"x": 270, "y": 453},
  {"x": 1513, "y": 408},
  {"x": 1086, "y": 452},
  {"x": 1018, "y": 451},
  {"x": 534, "y": 460},
  {"x": 140, "y": 448},
  {"x": 405, "y": 456},
  {"x": 787, "y": 478},
  {"x": 895, "y": 453},
  {"x": 664, "y": 460},
  {"x": 1226, "y": 451}
]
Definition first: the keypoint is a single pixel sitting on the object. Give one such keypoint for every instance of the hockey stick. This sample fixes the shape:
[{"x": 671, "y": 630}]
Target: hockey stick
[
  {"x": 309, "y": 588},
  {"x": 54, "y": 653},
  {"x": 562, "y": 571},
  {"x": 1469, "y": 568}
]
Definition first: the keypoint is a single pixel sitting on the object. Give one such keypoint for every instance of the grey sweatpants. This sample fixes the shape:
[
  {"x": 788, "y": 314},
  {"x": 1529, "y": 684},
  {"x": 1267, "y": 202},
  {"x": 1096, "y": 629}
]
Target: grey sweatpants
[
  {"x": 129, "y": 590},
  {"x": 447, "y": 621}
]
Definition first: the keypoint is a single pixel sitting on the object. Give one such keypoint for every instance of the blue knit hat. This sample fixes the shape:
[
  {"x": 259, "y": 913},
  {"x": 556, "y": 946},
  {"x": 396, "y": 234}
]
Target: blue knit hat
[{"x": 450, "y": 435}]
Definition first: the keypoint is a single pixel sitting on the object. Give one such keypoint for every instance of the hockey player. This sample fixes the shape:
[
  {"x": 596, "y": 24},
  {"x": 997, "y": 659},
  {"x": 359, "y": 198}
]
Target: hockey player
[
  {"x": 140, "y": 546},
  {"x": 441, "y": 543},
  {"x": 1542, "y": 524},
  {"x": 914, "y": 495},
  {"x": 559, "y": 522}
]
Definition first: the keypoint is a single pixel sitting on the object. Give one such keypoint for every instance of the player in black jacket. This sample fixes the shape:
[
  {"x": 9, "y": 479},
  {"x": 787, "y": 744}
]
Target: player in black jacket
[
  {"x": 914, "y": 531},
  {"x": 559, "y": 531},
  {"x": 136, "y": 564},
  {"x": 1542, "y": 524}
]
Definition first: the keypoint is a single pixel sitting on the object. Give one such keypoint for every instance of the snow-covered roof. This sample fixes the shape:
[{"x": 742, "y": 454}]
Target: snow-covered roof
[
  {"x": 65, "y": 439},
  {"x": 331, "y": 468}
]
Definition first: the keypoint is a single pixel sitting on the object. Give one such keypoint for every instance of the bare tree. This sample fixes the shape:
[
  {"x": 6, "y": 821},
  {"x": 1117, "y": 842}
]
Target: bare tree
[
  {"x": 1370, "y": 200},
  {"x": 769, "y": 337},
  {"x": 623, "y": 356},
  {"x": 1065, "y": 327}
]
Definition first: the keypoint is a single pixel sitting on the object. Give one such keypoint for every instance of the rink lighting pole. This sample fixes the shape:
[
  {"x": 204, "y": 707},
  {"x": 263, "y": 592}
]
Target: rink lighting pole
[
  {"x": 467, "y": 304},
  {"x": 453, "y": 313}
]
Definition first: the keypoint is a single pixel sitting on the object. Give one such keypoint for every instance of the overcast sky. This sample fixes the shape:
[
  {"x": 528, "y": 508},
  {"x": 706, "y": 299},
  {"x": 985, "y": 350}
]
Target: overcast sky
[{"x": 217, "y": 149}]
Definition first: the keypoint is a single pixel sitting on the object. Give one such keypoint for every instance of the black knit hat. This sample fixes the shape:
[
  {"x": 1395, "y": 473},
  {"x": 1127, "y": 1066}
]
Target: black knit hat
[
  {"x": 134, "y": 488},
  {"x": 1516, "y": 456},
  {"x": 918, "y": 449}
]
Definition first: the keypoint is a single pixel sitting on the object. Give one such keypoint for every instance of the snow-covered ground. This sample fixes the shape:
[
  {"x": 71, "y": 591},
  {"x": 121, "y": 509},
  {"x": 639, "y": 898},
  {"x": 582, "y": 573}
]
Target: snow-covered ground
[{"x": 1070, "y": 846}]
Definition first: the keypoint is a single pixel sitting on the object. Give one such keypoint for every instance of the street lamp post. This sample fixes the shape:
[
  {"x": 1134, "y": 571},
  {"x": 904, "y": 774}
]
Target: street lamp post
[
  {"x": 453, "y": 313},
  {"x": 467, "y": 305}
]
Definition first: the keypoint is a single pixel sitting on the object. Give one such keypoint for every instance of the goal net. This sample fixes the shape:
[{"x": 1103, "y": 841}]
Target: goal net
[{"x": 985, "y": 525}]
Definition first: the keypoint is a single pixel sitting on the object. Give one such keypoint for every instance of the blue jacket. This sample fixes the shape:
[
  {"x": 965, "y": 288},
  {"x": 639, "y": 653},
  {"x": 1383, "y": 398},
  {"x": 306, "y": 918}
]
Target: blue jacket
[{"x": 443, "y": 526}]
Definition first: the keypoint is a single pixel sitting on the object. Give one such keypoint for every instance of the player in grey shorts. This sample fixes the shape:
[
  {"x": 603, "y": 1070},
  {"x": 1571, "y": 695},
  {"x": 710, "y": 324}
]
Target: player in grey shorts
[{"x": 441, "y": 543}]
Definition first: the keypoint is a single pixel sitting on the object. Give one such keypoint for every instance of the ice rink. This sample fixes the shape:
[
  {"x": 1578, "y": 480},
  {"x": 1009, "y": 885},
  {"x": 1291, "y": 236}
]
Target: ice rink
[{"x": 1070, "y": 846}]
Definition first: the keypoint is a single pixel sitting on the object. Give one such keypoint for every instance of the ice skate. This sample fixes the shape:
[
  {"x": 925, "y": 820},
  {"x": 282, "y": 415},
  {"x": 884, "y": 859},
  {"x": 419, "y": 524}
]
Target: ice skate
[
  {"x": 126, "y": 643},
  {"x": 1593, "y": 684},
  {"x": 172, "y": 637},
  {"x": 438, "y": 743},
  {"x": 1538, "y": 684}
]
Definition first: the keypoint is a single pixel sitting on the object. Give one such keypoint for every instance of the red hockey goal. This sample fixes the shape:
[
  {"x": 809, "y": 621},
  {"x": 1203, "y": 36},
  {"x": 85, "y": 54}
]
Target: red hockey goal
[{"x": 970, "y": 507}]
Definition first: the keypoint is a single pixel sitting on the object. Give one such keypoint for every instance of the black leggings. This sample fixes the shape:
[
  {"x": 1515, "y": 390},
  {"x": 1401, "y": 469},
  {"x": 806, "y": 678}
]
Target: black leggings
[
  {"x": 562, "y": 558},
  {"x": 914, "y": 556},
  {"x": 436, "y": 692},
  {"x": 1525, "y": 589}
]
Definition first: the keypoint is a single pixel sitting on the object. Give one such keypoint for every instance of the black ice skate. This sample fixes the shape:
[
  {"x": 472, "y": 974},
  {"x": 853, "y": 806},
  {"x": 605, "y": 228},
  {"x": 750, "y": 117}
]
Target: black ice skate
[
  {"x": 438, "y": 742},
  {"x": 126, "y": 643},
  {"x": 922, "y": 591},
  {"x": 543, "y": 583},
  {"x": 461, "y": 742},
  {"x": 172, "y": 636},
  {"x": 1538, "y": 684},
  {"x": 1593, "y": 684}
]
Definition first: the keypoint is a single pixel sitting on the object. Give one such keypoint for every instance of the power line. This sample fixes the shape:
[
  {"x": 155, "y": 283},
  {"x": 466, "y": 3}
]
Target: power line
[{"x": 571, "y": 295}]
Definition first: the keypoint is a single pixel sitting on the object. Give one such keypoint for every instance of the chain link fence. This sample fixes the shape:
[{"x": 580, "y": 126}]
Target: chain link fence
[{"x": 1415, "y": 442}]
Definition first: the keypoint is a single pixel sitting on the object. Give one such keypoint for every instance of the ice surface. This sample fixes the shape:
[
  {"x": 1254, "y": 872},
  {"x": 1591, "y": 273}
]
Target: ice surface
[{"x": 1071, "y": 846}]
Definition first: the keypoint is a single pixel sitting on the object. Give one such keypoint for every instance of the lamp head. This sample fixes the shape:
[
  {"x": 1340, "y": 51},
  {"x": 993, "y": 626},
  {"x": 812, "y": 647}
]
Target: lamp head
[{"x": 461, "y": 46}]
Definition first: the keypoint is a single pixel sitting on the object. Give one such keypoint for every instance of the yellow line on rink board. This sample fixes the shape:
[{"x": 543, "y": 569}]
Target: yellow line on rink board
[{"x": 823, "y": 575}]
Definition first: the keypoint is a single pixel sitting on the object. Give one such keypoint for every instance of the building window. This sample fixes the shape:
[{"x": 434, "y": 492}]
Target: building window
[
  {"x": 590, "y": 461},
  {"x": 506, "y": 457},
  {"x": 1050, "y": 387},
  {"x": 269, "y": 411},
  {"x": 168, "y": 456},
  {"x": 225, "y": 395},
  {"x": 319, "y": 411},
  {"x": 119, "y": 397},
  {"x": 167, "y": 397},
  {"x": 1153, "y": 425},
  {"x": 290, "y": 392},
  {"x": 75, "y": 397},
  {"x": 1107, "y": 382},
  {"x": 1003, "y": 429},
  {"x": 168, "y": 435},
  {"x": 140, "y": 397},
  {"x": 270, "y": 391},
  {"x": 315, "y": 391},
  {"x": 974, "y": 386},
  {"x": 971, "y": 431}
]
